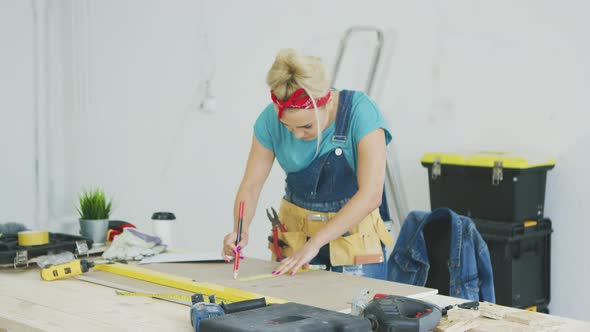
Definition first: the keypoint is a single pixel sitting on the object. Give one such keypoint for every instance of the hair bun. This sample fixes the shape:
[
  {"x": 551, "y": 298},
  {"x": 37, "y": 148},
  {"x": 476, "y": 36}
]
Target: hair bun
[
  {"x": 291, "y": 71},
  {"x": 289, "y": 61}
]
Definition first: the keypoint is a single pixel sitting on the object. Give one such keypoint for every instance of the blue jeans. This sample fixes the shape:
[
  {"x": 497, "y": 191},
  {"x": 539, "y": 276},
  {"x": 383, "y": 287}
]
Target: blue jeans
[{"x": 375, "y": 271}]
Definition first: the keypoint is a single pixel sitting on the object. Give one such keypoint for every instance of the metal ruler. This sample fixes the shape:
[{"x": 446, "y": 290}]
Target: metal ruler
[{"x": 177, "y": 297}]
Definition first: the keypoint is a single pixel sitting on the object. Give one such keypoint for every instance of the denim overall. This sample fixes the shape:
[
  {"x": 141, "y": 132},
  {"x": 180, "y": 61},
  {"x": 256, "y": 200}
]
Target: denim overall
[{"x": 327, "y": 184}]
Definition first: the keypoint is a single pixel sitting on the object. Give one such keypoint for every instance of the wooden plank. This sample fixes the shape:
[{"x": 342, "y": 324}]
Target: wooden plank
[
  {"x": 493, "y": 311},
  {"x": 485, "y": 324},
  {"x": 462, "y": 314},
  {"x": 448, "y": 325}
]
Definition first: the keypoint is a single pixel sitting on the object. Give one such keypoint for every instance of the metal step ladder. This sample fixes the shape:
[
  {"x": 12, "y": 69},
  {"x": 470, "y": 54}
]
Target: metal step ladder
[{"x": 393, "y": 181}]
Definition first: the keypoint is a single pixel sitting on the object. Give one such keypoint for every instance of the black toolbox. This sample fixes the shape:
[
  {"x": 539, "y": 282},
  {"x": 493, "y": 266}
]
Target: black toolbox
[
  {"x": 493, "y": 186},
  {"x": 521, "y": 259},
  {"x": 9, "y": 247}
]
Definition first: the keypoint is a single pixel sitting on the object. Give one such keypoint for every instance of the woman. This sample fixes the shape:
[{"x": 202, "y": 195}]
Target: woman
[{"x": 332, "y": 146}]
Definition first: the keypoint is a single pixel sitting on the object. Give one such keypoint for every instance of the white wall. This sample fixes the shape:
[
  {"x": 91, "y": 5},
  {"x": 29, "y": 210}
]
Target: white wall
[
  {"x": 17, "y": 143},
  {"x": 463, "y": 75}
]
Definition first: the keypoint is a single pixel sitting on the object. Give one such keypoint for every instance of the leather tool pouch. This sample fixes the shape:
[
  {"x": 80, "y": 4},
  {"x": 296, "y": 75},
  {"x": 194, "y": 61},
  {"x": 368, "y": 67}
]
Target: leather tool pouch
[{"x": 362, "y": 245}]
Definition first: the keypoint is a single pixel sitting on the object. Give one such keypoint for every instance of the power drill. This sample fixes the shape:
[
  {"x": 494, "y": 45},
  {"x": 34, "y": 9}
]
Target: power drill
[
  {"x": 201, "y": 310},
  {"x": 73, "y": 268},
  {"x": 401, "y": 314}
]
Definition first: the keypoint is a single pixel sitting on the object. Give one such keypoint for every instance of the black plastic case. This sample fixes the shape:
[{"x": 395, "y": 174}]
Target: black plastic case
[
  {"x": 488, "y": 186},
  {"x": 57, "y": 242},
  {"x": 521, "y": 261}
]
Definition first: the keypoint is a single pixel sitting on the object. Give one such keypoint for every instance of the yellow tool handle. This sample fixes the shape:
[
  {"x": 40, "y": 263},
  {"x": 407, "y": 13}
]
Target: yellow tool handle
[{"x": 60, "y": 271}]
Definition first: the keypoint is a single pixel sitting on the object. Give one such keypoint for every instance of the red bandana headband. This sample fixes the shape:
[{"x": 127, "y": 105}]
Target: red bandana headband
[{"x": 298, "y": 101}]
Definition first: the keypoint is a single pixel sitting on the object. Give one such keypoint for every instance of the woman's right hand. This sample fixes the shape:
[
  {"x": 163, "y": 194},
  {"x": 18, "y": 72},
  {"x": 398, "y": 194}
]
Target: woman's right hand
[{"x": 229, "y": 245}]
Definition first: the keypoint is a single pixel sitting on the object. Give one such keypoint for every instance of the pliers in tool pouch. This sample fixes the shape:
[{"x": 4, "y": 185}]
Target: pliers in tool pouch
[{"x": 276, "y": 226}]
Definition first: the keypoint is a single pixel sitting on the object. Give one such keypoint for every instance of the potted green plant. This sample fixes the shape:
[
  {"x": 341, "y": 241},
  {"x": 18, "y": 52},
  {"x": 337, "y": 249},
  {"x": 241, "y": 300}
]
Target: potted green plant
[{"x": 95, "y": 210}]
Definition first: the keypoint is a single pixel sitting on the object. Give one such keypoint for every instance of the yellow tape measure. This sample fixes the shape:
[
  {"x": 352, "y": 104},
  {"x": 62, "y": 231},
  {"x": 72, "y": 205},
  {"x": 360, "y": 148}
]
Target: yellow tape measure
[
  {"x": 157, "y": 295},
  {"x": 257, "y": 277},
  {"x": 33, "y": 238}
]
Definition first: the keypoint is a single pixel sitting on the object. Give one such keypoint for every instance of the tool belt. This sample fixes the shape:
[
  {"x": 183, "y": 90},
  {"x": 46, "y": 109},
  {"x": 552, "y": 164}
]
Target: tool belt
[{"x": 360, "y": 245}]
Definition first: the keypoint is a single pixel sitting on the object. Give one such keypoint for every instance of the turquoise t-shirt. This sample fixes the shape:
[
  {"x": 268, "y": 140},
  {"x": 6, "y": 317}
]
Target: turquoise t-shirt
[{"x": 295, "y": 154}]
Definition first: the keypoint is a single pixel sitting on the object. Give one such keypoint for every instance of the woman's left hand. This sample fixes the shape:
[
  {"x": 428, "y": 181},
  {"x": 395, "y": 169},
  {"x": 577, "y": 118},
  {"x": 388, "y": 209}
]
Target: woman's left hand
[{"x": 298, "y": 259}]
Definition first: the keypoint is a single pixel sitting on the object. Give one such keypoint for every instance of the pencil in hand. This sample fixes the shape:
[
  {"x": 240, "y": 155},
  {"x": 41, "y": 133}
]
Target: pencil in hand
[{"x": 238, "y": 239}]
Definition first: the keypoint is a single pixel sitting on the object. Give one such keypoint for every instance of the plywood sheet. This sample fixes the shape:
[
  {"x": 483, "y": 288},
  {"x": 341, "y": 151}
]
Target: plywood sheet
[{"x": 322, "y": 289}]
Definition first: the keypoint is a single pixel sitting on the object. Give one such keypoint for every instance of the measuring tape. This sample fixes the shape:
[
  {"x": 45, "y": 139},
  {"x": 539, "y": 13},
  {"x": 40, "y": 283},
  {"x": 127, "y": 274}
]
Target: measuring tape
[
  {"x": 157, "y": 295},
  {"x": 33, "y": 238},
  {"x": 258, "y": 277},
  {"x": 270, "y": 275}
]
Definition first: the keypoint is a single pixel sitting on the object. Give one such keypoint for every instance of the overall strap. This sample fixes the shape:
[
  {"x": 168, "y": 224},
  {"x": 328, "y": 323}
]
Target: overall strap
[{"x": 343, "y": 117}]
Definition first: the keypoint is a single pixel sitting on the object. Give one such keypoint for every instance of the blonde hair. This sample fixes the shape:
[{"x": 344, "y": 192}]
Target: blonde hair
[{"x": 291, "y": 71}]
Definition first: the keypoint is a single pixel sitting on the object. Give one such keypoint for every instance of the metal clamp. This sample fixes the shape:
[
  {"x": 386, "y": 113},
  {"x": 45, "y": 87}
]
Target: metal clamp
[
  {"x": 317, "y": 217},
  {"x": 81, "y": 248},
  {"x": 436, "y": 168},
  {"x": 497, "y": 174},
  {"x": 21, "y": 259}
]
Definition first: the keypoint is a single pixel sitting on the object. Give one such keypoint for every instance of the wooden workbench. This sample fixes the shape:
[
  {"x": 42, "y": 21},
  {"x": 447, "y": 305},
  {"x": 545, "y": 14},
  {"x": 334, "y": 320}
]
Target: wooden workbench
[{"x": 29, "y": 304}]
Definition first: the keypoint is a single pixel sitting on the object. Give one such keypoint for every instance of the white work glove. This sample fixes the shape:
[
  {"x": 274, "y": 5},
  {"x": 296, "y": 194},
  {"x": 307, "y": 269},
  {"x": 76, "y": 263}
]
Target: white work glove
[{"x": 133, "y": 245}]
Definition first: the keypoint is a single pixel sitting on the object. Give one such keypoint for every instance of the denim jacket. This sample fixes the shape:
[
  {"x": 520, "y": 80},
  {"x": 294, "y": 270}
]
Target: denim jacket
[{"x": 469, "y": 263}]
